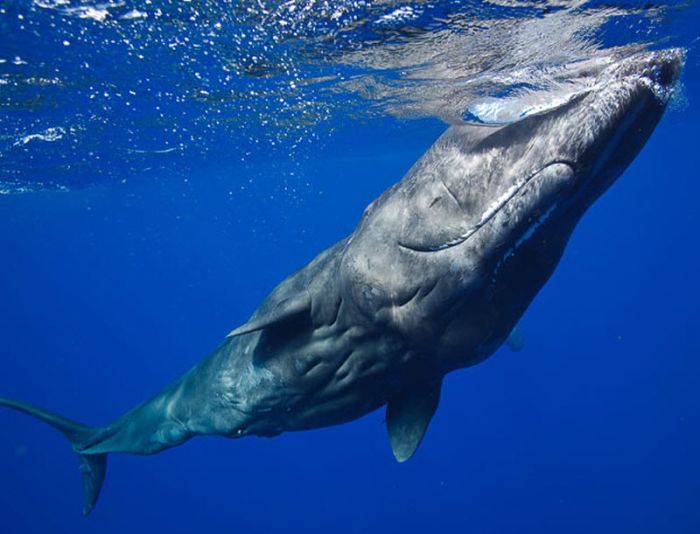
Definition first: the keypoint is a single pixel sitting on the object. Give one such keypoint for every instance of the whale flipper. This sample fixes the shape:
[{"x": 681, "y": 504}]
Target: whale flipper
[
  {"x": 93, "y": 467},
  {"x": 407, "y": 419},
  {"x": 284, "y": 310},
  {"x": 516, "y": 340}
]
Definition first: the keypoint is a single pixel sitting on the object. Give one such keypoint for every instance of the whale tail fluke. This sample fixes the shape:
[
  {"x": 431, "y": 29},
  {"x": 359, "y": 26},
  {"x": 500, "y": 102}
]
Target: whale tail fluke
[{"x": 93, "y": 467}]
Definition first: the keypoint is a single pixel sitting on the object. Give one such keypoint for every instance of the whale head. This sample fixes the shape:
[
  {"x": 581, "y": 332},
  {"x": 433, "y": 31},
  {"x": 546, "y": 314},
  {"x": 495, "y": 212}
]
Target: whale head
[
  {"x": 549, "y": 168},
  {"x": 485, "y": 185},
  {"x": 570, "y": 155},
  {"x": 481, "y": 220},
  {"x": 545, "y": 171}
]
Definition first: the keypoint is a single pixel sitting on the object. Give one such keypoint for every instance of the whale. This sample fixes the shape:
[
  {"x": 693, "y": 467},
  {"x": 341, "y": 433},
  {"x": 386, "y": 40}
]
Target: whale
[{"x": 435, "y": 277}]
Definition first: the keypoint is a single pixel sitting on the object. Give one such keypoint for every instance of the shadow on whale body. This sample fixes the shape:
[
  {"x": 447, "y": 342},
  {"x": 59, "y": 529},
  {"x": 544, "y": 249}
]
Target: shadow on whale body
[{"x": 434, "y": 278}]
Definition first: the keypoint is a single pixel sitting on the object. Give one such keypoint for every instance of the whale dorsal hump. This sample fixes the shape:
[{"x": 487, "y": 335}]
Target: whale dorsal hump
[
  {"x": 407, "y": 419},
  {"x": 281, "y": 312}
]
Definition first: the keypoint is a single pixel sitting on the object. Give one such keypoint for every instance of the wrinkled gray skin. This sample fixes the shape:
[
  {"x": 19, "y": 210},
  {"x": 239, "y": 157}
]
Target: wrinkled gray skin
[{"x": 434, "y": 278}]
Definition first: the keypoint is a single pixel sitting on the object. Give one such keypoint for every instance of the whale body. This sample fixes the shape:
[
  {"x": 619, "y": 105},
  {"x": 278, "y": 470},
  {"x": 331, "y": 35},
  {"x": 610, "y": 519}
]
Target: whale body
[{"x": 434, "y": 278}]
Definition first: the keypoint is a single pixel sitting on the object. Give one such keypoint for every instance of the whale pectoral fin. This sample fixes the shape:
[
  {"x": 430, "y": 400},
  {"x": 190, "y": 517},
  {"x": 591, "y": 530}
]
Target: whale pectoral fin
[
  {"x": 407, "y": 419},
  {"x": 515, "y": 340},
  {"x": 285, "y": 310}
]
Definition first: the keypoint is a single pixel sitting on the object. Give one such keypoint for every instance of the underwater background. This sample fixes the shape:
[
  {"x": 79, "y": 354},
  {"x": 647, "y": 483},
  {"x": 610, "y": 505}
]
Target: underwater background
[{"x": 164, "y": 164}]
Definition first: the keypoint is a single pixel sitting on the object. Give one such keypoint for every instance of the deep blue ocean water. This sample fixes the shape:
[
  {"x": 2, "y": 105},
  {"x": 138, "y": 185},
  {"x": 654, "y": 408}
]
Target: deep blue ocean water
[{"x": 123, "y": 263}]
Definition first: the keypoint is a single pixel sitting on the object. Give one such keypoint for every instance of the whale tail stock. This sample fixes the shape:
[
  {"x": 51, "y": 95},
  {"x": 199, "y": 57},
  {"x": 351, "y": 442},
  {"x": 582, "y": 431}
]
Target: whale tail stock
[
  {"x": 93, "y": 467},
  {"x": 168, "y": 419}
]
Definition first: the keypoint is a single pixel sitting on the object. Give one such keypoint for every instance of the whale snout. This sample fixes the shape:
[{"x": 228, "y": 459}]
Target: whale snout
[
  {"x": 657, "y": 70},
  {"x": 665, "y": 67}
]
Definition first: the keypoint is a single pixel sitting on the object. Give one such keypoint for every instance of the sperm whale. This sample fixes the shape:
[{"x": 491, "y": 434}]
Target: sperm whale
[{"x": 434, "y": 278}]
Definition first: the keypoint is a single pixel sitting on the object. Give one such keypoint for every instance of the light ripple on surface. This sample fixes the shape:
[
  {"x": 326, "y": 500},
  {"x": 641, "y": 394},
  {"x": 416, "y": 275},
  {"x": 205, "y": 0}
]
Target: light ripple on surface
[{"x": 113, "y": 84}]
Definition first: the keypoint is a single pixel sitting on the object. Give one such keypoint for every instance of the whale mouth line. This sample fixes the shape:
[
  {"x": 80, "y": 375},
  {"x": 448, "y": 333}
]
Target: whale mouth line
[{"x": 490, "y": 212}]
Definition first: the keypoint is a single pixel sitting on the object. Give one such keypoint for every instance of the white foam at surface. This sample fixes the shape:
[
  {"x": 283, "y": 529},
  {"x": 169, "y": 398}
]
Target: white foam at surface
[{"x": 49, "y": 136}]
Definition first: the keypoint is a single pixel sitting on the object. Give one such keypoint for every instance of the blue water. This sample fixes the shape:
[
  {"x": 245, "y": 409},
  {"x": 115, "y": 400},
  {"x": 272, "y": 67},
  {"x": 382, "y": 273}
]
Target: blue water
[{"x": 124, "y": 262}]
